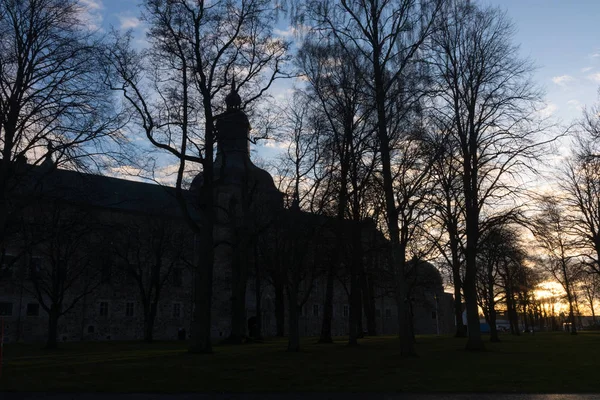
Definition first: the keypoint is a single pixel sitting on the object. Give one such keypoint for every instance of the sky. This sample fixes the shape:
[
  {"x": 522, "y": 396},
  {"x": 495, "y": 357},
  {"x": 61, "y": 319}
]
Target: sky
[{"x": 561, "y": 37}]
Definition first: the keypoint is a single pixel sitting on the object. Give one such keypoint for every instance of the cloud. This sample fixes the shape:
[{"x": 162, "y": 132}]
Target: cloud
[
  {"x": 92, "y": 4},
  {"x": 291, "y": 31},
  {"x": 129, "y": 22},
  {"x": 594, "y": 77},
  {"x": 547, "y": 111},
  {"x": 587, "y": 69},
  {"x": 575, "y": 104},
  {"x": 563, "y": 80},
  {"x": 595, "y": 54},
  {"x": 91, "y": 13}
]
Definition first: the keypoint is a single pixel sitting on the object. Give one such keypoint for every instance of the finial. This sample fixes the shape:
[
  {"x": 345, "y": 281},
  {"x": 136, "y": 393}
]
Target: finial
[
  {"x": 295, "y": 201},
  {"x": 48, "y": 159},
  {"x": 233, "y": 99}
]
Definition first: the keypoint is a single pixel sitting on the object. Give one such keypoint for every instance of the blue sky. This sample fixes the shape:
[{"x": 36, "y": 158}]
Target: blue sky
[{"x": 561, "y": 37}]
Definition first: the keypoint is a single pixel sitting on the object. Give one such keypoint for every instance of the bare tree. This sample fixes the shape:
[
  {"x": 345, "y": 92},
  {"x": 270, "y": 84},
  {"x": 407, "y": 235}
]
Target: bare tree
[
  {"x": 301, "y": 252},
  {"x": 52, "y": 94},
  {"x": 148, "y": 251},
  {"x": 388, "y": 36},
  {"x": 553, "y": 232},
  {"x": 489, "y": 105},
  {"x": 447, "y": 200},
  {"x": 63, "y": 245},
  {"x": 196, "y": 50},
  {"x": 590, "y": 291},
  {"x": 582, "y": 194},
  {"x": 502, "y": 277},
  {"x": 335, "y": 89}
]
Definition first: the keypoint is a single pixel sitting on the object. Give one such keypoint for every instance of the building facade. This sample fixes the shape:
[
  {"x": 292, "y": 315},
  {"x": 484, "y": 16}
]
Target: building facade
[{"x": 109, "y": 255}]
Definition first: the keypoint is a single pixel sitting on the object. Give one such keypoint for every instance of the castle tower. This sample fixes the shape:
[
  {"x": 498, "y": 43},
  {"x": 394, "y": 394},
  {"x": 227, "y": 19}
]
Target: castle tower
[{"x": 246, "y": 202}]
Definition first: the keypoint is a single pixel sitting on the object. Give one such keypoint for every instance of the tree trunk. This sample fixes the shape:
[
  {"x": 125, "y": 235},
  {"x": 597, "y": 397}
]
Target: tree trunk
[
  {"x": 338, "y": 251},
  {"x": 355, "y": 289},
  {"x": 492, "y": 321},
  {"x": 203, "y": 276},
  {"x": 53, "y": 315},
  {"x": 461, "y": 332},
  {"x": 3, "y": 203},
  {"x": 19, "y": 316},
  {"x": 294, "y": 334},
  {"x": 474, "y": 343},
  {"x": 369, "y": 303},
  {"x": 257, "y": 286},
  {"x": 525, "y": 316},
  {"x": 513, "y": 317},
  {"x": 328, "y": 307},
  {"x": 359, "y": 308},
  {"x": 83, "y": 312},
  {"x": 572, "y": 315},
  {"x": 354, "y": 310},
  {"x": 407, "y": 347},
  {"x": 412, "y": 319},
  {"x": 149, "y": 318},
  {"x": 491, "y": 304},
  {"x": 238, "y": 295},
  {"x": 279, "y": 309}
]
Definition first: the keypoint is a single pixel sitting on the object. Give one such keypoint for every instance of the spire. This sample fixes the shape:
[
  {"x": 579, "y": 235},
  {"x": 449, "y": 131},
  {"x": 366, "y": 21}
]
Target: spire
[{"x": 233, "y": 99}]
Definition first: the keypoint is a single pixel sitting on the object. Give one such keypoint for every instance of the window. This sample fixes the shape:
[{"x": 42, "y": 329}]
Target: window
[
  {"x": 33, "y": 309},
  {"x": 316, "y": 310},
  {"x": 177, "y": 278},
  {"x": 346, "y": 310},
  {"x": 103, "y": 309},
  {"x": 388, "y": 313},
  {"x": 378, "y": 312},
  {"x": 91, "y": 329},
  {"x": 7, "y": 266},
  {"x": 433, "y": 315},
  {"x": 176, "y": 310},
  {"x": 6, "y": 308},
  {"x": 35, "y": 266},
  {"x": 129, "y": 309}
]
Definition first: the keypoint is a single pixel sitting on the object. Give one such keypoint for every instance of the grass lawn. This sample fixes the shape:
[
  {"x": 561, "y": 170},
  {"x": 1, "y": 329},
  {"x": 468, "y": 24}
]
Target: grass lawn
[{"x": 545, "y": 362}]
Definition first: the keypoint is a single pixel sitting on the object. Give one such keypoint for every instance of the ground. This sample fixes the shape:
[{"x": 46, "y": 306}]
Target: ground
[{"x": 548, "y": 363}]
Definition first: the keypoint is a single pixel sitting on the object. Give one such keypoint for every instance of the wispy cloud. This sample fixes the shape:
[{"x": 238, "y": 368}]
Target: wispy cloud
[
  {"x": 92, "y": 13},
  {"x": 547, "y": 111},
  {"x": 575, "y": 104},
  {"x": 129, "y": 22},
  {"x": 587, "y": 69},
  {"x": 92, "y": 4},
  {"x": 291, "y": 31},
  {"x": 595, "y": 77},
  {"x": 563, "y": 80}
]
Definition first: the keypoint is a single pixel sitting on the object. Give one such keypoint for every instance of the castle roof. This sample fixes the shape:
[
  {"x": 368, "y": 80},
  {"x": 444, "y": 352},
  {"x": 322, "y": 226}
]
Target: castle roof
[{"x": 100, "y": 191}]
